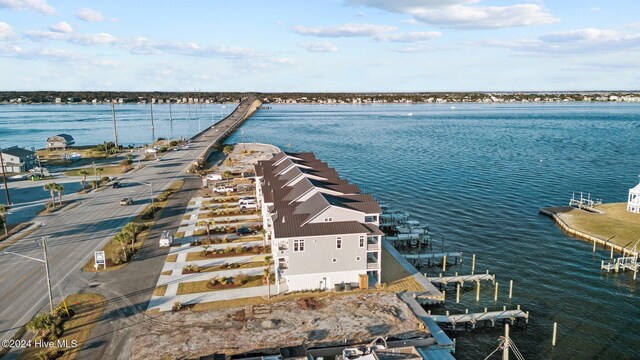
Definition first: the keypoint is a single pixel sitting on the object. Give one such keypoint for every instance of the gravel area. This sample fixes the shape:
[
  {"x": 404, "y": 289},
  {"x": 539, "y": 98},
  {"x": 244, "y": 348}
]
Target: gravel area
[{"x": 359, "y": 318}]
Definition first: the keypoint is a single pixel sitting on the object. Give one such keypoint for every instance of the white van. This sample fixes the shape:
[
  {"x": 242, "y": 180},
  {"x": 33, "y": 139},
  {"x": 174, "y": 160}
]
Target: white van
[
  {"x": 246, "y": 201},
  {"x": 166, "y": 239}
]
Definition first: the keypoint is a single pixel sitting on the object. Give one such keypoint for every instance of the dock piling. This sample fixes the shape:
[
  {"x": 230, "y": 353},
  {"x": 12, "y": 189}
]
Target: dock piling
[
  {"x": 473, "y": 263},
  {"x": 510, "y": 289},
  {"x": 495, "y": 294},
  {"x": 478, "y": 290},
  {"x": 555, "y": 331},
  {"x": 594, "y": 246},
  {"x": 457, "y": 293},
  {"x": 444, "y": 263},
  {"x": 611, "y": 256}
]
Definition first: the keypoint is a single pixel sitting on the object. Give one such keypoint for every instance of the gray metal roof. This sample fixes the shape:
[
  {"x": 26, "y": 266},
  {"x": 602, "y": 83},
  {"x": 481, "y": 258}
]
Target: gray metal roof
[{"x": 17, "y": 151}]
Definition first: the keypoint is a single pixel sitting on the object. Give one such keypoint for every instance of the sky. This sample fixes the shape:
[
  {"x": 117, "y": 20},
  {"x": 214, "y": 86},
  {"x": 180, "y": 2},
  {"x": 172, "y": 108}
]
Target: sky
[{"x": 320, "y": 45}]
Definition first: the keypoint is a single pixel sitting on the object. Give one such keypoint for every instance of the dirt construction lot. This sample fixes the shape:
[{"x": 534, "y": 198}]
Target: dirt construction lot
[{"x": 317, "y": 321}]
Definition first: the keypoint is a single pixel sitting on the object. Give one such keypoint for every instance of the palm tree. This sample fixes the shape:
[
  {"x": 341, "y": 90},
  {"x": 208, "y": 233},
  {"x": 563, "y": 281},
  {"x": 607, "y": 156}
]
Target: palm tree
[
  {"x": 51, "y": 188},
  {"x": 99, "y": 171},
  {"x": 43, "y": 324},
  {"x": 206, "y": 227},
  {"x": 3, "y": 218},
  {"x": 132, "y": 230},
  {"x": 122, "y": 239},
  {"x": 227, "y": 150},
  {"x": 84, "y": 173},
  {"x": 267, "y": 274},
  {"x": 59, "y": 188}
]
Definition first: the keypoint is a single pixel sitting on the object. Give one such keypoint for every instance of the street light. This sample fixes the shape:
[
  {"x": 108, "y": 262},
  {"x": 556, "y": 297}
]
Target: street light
[
  {"x": 149, "y": 184},
  {"x": 46, "y": 266},
  {"x": 4, "y": 179}
]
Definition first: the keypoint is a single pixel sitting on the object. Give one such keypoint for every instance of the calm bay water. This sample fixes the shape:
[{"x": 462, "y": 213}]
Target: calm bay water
[
  {"x": 477, "y": 174},
  {"x": 30, "y": 125}
]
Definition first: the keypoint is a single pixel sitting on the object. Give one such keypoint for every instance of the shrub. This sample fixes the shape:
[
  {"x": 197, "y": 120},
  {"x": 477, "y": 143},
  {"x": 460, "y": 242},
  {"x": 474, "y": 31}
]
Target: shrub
[
  {"x": 176, "y": 306},
  {"x": 214, "y": 281},
  {"x": 240, "y": 250},
  {"x": 240, "y": 279},
  {"x": 44, "y": 324},
  {"x": 228, "y": 249}
]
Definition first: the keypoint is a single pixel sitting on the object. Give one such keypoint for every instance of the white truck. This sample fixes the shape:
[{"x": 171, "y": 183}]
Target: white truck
[
  {"x": 223, "y": 189},
  {"x": 166, "y": 239}
]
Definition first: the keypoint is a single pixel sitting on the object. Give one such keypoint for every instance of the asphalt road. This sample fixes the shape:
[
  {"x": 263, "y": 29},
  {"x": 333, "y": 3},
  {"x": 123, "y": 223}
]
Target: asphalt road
[{"x": 74, "y": 234}]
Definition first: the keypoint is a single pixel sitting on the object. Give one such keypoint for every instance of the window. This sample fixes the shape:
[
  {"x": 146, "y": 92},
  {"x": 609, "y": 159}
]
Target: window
[
  {"x": 329, "y": 219},
  {"x": 334, "y": 260},
  {"x": 298, "y": 245},
  {"x": 338, "y": 243},
  {"x": 357, "y": 258},
  {"x": 361, "y": 240}
]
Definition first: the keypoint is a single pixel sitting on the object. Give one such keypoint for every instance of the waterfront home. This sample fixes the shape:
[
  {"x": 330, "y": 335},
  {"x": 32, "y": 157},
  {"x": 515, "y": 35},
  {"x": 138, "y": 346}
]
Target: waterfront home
[
  {"x": 323, "y": 233},
  {"x": 17, "y": 159},
  {"x": 633, "y": 204},
  {"x": 60, "y": 142}
]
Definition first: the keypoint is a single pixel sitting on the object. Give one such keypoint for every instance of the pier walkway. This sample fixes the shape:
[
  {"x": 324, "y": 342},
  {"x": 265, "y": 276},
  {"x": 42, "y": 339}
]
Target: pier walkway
[
  {"x": 487, "y": 316},
  {"x": 430, "y": 294},
  {"x": 442, "y": 340},
  {"x": 461, "y": 279},
  {"x": 622, "y": 264}
]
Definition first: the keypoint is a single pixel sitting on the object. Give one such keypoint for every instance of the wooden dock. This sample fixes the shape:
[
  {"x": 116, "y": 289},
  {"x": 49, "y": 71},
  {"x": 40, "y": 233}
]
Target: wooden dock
[
  {"x": 484, "y": 317},
  {"x": 460, "y": 279},
  {"x": 621, "y": 264},
  {"x": 433, "y": 256}
]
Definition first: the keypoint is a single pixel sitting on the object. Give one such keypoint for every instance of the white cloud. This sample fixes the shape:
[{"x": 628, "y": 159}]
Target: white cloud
[
  {"x": 91, "y": 15},
  {"x": 595, "y": 9},
  {"x": 6, "y": 31},
  {"x": 580, "y": 41},
  {"x": 346, "y": 30},
  {"x": 94, "y": 39},
  {"x": 35, "y": 5},
  {"x": 46, "y": 35},
  {"x": 62, "y": 27},
  {"x": 413, "y": 36},
  {"x": 376, "y": 32},
  {"x": 318, "y": 46},
  {"x": 39, "y": 54},
  {"x": 464, "y": 14}
]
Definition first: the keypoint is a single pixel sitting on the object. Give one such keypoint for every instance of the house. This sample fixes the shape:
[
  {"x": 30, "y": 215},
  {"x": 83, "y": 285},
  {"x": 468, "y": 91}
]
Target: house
[
  {"x": 633, "y": 203},
  {"x": 323, "y": 232},
  {"x": 60, "y": 141},
  {"x": 17, "y": 159}
]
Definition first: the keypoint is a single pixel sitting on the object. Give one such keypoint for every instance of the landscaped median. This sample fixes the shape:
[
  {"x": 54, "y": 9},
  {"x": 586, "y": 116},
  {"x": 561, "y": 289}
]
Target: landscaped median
[
  {"x": 217, "y": 283},
  {"x": 126, "y": 243},
  {"x": 67, "y": 329}
]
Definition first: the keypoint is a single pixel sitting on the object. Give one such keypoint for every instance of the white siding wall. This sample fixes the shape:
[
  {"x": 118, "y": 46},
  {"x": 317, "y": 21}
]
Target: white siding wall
[
  {"x": 316, "y": 280},
  {"x": 339, "y": 214}
]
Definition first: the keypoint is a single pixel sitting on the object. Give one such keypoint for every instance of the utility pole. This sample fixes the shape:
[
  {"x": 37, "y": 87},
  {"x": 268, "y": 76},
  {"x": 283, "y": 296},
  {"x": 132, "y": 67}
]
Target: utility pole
[
  {"x": 46, "y": 266},
  {"x": 4, "y": 179},
  {"x": 153, "y": 129},
  {"x": 115, "y": 128},
  {"x": 170, "y": 122}
]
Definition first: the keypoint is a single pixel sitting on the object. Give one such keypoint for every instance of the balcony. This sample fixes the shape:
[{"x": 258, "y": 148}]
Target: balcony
[
  {"x": 373, "y": 266},
  {"x": 373, "y": 247}
]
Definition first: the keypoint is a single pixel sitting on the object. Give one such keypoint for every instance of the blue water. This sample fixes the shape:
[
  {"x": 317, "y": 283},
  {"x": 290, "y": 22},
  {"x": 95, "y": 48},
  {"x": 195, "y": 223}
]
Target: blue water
[
  {"x": 30, "y": 125},
  {"x": 478, "y": 174}
]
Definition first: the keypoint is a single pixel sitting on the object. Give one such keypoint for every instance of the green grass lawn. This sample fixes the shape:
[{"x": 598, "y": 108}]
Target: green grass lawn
[
  {"x": 615, "y": 220},
  {"x": 106, "y": 171}
]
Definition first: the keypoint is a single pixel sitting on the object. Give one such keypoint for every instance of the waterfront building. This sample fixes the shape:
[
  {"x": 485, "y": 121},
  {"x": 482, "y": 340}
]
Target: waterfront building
[
  {"x": 60, "y": 141},
  {"x": 17, "y": 160},
  {"x": 323, "y": 232},
  {"x": 633, "y": 203}
]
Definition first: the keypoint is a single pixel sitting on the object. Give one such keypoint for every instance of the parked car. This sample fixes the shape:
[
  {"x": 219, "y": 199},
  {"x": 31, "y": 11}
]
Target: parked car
[
  {"x": 246, "y": 201},
  {"x": 214, "y": 177},
  {"x": 116, "y": 185},
  {"x": 126, "y": 201},
  {"x": 166, "y": 239},
  {"x": 223, "y": 189},
  {"x": 245, "y": 231},
  {"x": 252, "y": 206}
]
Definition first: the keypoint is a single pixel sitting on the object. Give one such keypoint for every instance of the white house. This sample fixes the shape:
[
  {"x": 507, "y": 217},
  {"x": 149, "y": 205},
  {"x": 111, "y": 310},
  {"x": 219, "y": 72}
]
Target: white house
[
  {"x": 633, "y": 204},
  {"x": 17, "y": 159},
  {"x": 60, "y": 141},
  {"x": 322, "y": 231}
]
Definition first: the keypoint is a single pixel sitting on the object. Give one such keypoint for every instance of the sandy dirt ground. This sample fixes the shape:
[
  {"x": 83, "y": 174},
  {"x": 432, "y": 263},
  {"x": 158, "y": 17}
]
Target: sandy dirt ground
[{"x": 358, "y": 318}]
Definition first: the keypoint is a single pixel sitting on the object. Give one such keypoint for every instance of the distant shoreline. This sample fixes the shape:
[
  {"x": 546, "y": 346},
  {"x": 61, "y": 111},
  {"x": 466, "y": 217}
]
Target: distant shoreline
[{"x": 208, "y": 98}]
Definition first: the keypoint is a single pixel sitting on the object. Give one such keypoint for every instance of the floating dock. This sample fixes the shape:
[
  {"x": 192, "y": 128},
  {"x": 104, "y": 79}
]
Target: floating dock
[
  {"x": 484, "y": 317},
  {"x": 461, "y": 279}
]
